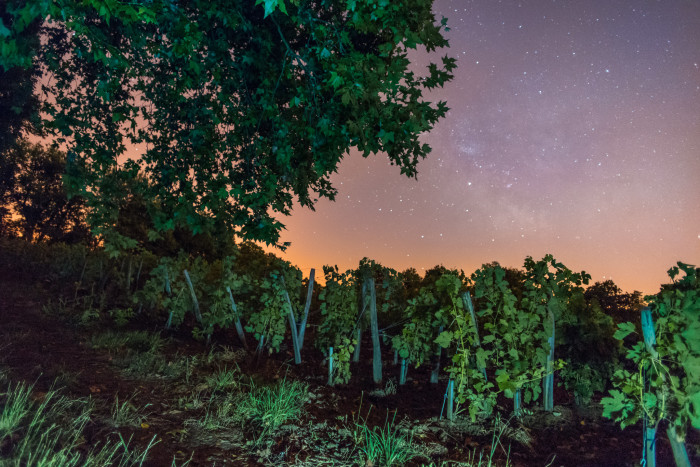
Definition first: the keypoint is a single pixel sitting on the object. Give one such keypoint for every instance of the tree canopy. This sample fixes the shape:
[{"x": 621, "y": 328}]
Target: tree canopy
[
  {"x": 33, "y": 201},
  {"x": 241, "y": 109}
]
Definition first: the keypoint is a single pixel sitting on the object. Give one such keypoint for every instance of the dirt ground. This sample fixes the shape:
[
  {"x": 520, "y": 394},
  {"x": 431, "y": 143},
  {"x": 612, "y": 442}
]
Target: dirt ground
[{"x": 49, "y": 350}]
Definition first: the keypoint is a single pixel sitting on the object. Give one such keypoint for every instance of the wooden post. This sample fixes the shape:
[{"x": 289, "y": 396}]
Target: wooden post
[
  {"x": 309, "y": 294},
  {"x": 377, "y": 351},
  {"x": 396, "y": 357},
  {"x": 239, "y": 327}
]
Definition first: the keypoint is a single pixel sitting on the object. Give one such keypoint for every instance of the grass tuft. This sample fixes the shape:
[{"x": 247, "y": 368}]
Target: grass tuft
[
  {"x": 224, "y": 379},
  {"x": 126, "y": 413},
  {"x": 386, "y": 446},
  {"x": 269, "y": 407}
]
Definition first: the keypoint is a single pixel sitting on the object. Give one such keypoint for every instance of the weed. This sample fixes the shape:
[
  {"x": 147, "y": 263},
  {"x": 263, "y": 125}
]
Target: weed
[
  {"x": 499, "y": 428},
  {"x": 190, "y": 363}
]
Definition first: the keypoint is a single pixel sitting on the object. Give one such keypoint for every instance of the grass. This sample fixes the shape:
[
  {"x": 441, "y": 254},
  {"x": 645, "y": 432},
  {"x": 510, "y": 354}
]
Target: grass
[
  {"x": 385, "y": 446},
  {"x": 126, "y": 413},
  {"x": 224, "y": 379},
  {"x": 15, "y": 408},
  {"x": 269, "y": 407},
  {"x": 220, "y": 414},
  {"x": 139, "y": 341},
  {"x": 153, "y": 363},
  {"x": 48, "y": 432},
  {"x": 140, "y": 352}
]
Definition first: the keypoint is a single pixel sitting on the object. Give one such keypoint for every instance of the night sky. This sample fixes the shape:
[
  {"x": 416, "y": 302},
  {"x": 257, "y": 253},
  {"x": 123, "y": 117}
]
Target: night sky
[{"x": 574, "y": 130}]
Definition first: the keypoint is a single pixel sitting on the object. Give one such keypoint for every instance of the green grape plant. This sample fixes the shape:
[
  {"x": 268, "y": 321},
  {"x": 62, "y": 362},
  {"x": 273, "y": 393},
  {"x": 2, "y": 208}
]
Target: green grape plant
[
  {"x": 430, "y": 310},
  {"x": 339, "y": 310},
  {"x": 166, "y": 290},
  {"x": 664, "y": 384},
  {"x": 548, "y": 290},
  {"x": 268, "y": 322}
]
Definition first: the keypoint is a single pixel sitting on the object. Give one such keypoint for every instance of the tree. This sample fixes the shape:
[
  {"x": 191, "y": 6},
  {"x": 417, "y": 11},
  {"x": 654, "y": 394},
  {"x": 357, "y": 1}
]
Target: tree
[
  {"x": 621, "y": 306},
  {"x": 243, "y": 109},
  {"x": 32, "y": 189},
  {"x": 18, "y": 103}
]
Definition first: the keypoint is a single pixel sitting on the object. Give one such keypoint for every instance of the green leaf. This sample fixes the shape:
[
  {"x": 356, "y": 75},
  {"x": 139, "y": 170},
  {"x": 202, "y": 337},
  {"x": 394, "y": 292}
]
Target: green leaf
[
  {"x": 271, "y": 5},
  {"x": 613, "y": 404},
  {"x": 624, "y": 330},
  {"x": 694, "y": 409},
  {"x": 335, "y": 80},
  {"x": 444, "y": 339},
  {"x": 4, "y": 32}
]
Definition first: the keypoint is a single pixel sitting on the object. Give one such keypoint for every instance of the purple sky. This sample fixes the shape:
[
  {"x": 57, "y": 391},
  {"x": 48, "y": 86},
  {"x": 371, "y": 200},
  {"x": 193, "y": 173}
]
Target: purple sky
[{"x": 574, "y": 130}]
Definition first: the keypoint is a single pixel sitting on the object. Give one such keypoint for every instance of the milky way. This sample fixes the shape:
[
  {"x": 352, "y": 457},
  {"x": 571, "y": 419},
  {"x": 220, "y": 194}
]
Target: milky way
[{"x": 574, "y": 130}]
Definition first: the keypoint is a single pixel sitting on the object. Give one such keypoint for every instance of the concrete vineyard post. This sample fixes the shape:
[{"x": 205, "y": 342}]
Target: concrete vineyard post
[
  {"x": 239, "y": 327},
  {"x": 128, "y": 274},
  {"x": 195, "y": 304},
  {"x": 548, "y": 392},
  {"x": 403, "y": 371},
  {"x": 377, "y": 351},
  {"x": 467, "y": 299},
  {"x": 358, "y": 338},
  {"x": 138, "y": 274},
  {"x": 363, "y": 308},
  {"x": 517, "y": 402},
  {"x": 330, "y": 366},
  {"x": 169, "y": 291},
  {"x": 680, "y": 454},
  {"x": 450, "y": 400},
  {"x": 649, "y": 454},
  {"x": 261, "y": 344},
  {"x": 292, "y": 324},
  {"x": 436, "y": 370},
  {"x": 309, "y": 294}
]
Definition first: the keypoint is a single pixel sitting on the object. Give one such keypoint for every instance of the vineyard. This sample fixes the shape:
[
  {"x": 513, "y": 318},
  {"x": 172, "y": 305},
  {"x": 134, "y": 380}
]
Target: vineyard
[{"x": 244, "y": 360}]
